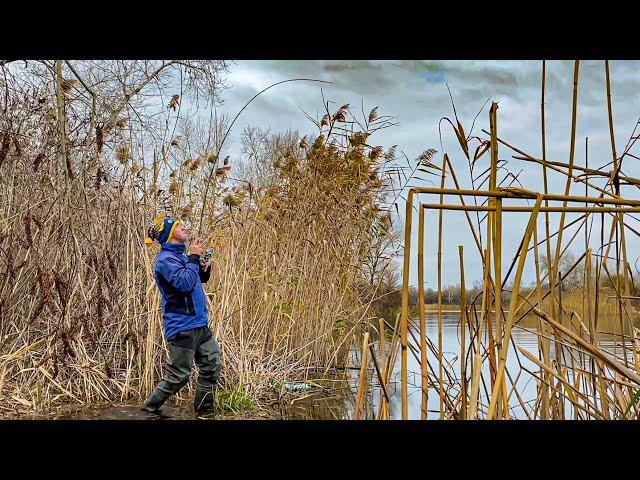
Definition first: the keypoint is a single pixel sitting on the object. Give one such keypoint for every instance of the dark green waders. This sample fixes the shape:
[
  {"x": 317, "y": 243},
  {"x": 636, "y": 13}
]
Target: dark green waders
[{"x": 186, "y": 347}]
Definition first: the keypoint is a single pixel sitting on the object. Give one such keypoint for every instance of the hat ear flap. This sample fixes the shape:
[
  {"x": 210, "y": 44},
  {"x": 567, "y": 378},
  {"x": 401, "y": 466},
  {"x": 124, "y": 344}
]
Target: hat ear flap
[{"x": 173, "y": 227}]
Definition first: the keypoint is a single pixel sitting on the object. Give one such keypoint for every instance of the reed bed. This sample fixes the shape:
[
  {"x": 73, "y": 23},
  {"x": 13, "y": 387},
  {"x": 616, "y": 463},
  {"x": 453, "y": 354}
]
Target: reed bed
[{"x": 83, "y": 168}]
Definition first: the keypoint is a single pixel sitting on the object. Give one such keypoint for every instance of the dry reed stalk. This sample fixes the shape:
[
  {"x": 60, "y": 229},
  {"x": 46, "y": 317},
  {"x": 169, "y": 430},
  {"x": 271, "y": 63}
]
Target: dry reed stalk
[
  {"x": 494, "y": 231},
  {"x": 560, "y": 348},
  {"x": 543, "y": 344},
  {"x": 512, "y": 308},
  {"x": 515, "y": 391},
  {"x": 556, "y": 260},
  {"x": 421, "y": 313},
  {"x": 491, "y": 342},
  {"x": 381, "y": 341},
  {"x": 439, "y": 254},
  {"x": 616, "y": 168},
  {"x": 544, "y": 161},
  {"x": 404, "y": 319},
  {"x": 477, "y": 364},
  {"x": 463, "y": 327},
  {"x": 383, "y": 411},
  {"x": 362, "y": 383},
  {"x": 601, "y": 355},
  {"x": 376, "y": 365},
  {"x": 552, "y": 166},
  {"x": 381, "y": 352},
  {"x": 590, "y": 318},
  {"x": 562, "y": 379}
]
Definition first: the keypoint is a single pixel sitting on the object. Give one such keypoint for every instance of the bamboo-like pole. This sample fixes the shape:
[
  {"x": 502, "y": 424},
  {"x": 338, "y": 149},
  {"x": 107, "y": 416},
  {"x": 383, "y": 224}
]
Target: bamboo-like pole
[
  {"x": 589, "y": 315},
  {"x": 474, "y": 208},
  {"x": 556, "y": 260},
  {"x": 555, "y": 263},
  {"x": 586, "y": 230},
  {"x": 618, "y": 288},
  {"x": 383, "y": 411},
  {"x": 559, "y": 350},
  {"x": 611, "y": 134},
  {"x": 515, "y": 293},
  {"x": 477, "y": 362},
  {"x": 421, "y": 313},
  {"x": 382, "y": 353},
  {"x": 463, "y": 327},
  {"x": 440, "y": 352},
  {"x": 379, "y": 374},
  {"x": 543, "y": 343},
  {"x": 497, "y": 259},
  {"x": 617, "y": 164},
  {"x": 495, "y": 234},
  {"x": 522, "y": 194},
  {"x": 362, "y": 384},
  {"x": 404, "y": 319},
  {"x": 488, "y": 304},
  {"x": 493, "y": 339},
  {"x": 544, "y": 164},
  {"x": 588, "y": 290}
]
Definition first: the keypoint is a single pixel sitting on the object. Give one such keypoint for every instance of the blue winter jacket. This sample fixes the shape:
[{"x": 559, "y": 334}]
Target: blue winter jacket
[{"x": 180, "y": 280}]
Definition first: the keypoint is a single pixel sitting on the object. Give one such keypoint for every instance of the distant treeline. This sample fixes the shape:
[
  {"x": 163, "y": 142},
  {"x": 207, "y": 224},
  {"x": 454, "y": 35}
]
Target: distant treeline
[
  {"x": 450, "y": 294},
  {"x": 389, "y": 295}
]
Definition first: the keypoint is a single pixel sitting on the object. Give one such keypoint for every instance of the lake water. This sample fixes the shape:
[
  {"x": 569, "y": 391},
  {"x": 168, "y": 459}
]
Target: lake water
[{"x": 523, "y": 336}]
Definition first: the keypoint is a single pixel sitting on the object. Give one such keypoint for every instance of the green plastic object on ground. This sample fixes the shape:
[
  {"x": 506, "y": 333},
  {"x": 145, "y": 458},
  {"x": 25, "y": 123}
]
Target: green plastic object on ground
[{"x": 297, "y": 387}]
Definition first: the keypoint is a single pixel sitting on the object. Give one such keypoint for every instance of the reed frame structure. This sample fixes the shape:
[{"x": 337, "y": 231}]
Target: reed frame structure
[
  {"x": 511, "y": 193},
  {"x": 616, "y": 206}
]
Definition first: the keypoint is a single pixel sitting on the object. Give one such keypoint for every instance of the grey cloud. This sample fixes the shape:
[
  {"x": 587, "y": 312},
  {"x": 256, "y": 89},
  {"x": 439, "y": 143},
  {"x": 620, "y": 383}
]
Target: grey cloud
[
  {"x": 362, "y": 76},
  {"x": 351, "y": 65}
]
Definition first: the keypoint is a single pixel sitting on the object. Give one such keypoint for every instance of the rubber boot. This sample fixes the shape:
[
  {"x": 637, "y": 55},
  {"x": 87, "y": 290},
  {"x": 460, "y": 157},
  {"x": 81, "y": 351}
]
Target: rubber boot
[
  {"x": 204, "y": 400},
  {"x": 155, "y": 401},
  {"x": 207, "y": 359},
  {"x": 176, "y": 376}
]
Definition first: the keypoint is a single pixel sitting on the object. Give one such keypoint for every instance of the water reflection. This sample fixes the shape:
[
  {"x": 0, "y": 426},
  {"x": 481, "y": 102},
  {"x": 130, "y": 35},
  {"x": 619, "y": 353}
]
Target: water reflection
[{"x": 518, "y": 368}]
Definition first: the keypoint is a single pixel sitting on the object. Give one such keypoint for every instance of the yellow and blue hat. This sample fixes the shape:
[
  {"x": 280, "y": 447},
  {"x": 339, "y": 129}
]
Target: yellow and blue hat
[{"x": 161, "y": 229}]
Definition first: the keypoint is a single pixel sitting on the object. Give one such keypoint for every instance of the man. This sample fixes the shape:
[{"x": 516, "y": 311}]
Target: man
[{"x": 179, "y": 278}]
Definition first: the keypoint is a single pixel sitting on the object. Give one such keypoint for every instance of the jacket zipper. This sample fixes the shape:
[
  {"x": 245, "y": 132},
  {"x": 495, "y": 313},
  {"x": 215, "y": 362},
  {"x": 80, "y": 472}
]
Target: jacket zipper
[{"x": 186, "y": 304}]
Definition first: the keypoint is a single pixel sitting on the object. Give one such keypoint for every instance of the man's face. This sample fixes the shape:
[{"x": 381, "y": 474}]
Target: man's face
[{"x": 180, "y": 234}]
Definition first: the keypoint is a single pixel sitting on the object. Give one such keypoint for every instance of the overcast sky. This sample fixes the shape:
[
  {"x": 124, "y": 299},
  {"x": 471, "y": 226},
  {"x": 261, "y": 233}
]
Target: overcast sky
[{"x": 415, "y": 93}]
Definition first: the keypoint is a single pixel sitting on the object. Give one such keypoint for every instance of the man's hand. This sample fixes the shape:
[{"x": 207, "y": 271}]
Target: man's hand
[
  {"x": 196, "y": 247},
  {"x": 205, "y": 265}
]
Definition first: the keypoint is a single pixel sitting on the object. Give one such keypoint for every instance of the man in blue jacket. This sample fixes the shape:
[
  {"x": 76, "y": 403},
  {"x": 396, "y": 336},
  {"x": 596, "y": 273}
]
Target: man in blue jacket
[{"x": 179, "y": 278}]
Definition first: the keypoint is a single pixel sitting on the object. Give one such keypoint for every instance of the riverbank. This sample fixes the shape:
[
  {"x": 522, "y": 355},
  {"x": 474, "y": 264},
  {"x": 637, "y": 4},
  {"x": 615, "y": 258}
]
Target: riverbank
[{"x": 132, "y": 411}]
